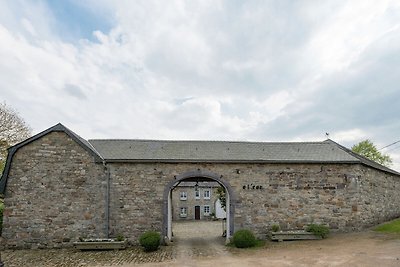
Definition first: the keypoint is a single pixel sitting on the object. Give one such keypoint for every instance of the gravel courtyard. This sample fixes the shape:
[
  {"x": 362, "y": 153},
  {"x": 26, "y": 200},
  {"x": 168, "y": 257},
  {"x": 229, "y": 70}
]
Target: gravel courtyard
[{"x": 200, "y": 244}]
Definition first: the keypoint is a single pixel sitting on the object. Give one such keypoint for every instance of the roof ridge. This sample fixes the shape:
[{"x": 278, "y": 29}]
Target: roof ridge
[{"x": 210, "y": 141}]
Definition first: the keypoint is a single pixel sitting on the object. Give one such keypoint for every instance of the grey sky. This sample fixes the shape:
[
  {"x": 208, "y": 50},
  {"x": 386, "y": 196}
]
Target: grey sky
[{"x": 226, "y": 70}]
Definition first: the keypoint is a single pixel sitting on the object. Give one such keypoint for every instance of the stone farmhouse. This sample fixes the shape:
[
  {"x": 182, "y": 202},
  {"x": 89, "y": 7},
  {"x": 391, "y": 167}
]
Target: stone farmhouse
[
  {"x": 196, "y": 201},
  {"x": 58, "y": 187}
]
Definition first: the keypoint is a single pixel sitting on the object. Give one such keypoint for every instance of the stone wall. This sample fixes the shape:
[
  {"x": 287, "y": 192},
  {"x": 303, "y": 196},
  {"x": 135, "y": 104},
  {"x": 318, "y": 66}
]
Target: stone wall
[
  {"x": 55, "y": 194},
  {"x": 379, "y": 197},
  {"x": 135, "y": 199},
  {"x": 343, "y": 196}
]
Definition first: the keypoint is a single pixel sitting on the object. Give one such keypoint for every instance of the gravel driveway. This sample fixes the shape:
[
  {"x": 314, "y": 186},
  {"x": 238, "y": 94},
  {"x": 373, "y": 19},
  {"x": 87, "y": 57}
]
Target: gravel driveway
[
  {"x": 200, "y": 244},
  {"x": 198, "y": 239}
]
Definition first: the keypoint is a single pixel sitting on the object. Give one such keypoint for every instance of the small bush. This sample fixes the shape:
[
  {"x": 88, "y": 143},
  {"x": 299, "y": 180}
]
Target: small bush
[
  {"x": 318, "y": 230},
  {"x": 244, "y": 239},
  {"x": 119, "y": 237},
  {"x": 150, "y": 240},
  {"x": 275, "y": 228}
]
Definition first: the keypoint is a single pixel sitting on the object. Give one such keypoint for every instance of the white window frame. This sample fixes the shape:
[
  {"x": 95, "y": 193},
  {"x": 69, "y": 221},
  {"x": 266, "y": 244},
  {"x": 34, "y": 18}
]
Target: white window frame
[
  {"x": 197, "y": 194},
  {"x": 183, "y": 195},
  {"x": 207, "y": 193},
  {"x": 183, "y": 212},
  {"x": 206, "y": 210}
]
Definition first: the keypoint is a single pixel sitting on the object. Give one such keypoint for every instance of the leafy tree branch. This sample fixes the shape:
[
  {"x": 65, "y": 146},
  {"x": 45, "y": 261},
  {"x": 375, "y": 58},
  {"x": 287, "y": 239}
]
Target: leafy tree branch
[{"x": 367, "y": 149}]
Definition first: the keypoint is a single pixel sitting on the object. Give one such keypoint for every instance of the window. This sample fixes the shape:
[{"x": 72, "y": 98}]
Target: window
[
  {"x": 183, "y": 212},
  {"x": 197, "y": 194},
  {"x": 206, "y": 210},
  {"x": 183, "y": 195},
  {"x": 207, "y": 193}
]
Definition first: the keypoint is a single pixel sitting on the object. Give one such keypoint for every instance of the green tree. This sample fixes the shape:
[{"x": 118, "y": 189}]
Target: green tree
[
  {"x": 13, "y": 129},
  {"x": 367, "y": 149},
  {"x": 222, "y": 196}
]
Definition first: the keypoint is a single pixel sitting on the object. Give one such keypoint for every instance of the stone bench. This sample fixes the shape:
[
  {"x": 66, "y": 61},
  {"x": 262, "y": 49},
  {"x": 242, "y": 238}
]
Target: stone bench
[
  {"x": 293, "y": 235},
  {"x": 101, "y": 244}
]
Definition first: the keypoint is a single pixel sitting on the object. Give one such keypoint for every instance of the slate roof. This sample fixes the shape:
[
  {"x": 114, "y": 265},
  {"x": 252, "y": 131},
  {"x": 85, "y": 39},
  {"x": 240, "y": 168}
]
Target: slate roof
[
  {"x": 217, "y": 151},
  {"x": 133, "y": 150},
  {"x": 199, "y": 184}
]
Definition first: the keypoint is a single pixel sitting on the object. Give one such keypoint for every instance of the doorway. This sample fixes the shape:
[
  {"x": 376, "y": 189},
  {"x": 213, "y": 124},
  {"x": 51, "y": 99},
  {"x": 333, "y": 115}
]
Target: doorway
[
  {"x": 197, "y": 176},
  {"x": 197, "y": 212}
]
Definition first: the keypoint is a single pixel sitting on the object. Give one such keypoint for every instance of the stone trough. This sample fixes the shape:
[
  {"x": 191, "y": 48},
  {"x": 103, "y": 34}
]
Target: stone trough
[
  {"x": 293, "y": 235},
  {"x": 100, "y": 244}
]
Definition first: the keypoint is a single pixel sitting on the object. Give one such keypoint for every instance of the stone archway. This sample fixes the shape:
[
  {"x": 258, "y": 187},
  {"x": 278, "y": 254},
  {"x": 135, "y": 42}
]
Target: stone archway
[{"x": 167, "y": 202}]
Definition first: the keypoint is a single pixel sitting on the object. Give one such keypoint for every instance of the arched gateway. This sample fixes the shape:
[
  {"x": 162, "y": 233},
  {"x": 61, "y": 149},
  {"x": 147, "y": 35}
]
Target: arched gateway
[{"x": 188, "y": 176}]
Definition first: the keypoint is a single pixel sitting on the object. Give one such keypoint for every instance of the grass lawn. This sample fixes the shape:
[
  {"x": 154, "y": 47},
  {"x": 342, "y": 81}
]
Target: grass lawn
[{"x": 390, "y": 227}]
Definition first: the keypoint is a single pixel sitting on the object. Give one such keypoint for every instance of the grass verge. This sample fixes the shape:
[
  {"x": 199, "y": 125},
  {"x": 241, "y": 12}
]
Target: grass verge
[{"x": 390, "y": 227}]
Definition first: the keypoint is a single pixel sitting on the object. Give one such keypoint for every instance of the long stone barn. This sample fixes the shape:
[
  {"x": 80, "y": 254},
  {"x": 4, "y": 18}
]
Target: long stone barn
[{"x": 59, "y": 187}]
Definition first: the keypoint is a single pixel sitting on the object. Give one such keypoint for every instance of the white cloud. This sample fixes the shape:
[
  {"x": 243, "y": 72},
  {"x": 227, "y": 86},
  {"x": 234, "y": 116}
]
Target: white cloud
[
  {"x": 344, "y": 35},
  {"x": 351, "y": 135},
  {"x": 208, "y": 70},
  {"x": 28, "y": 26}
]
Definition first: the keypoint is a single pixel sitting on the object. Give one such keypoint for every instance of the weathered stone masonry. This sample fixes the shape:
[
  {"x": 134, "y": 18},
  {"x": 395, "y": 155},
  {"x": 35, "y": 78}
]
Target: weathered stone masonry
[
  {"x": 344, "y": 197},
  {"x": 57, "y": 191},
  {"x": 191, "y": 201},
  {"x": 55, "y": 194}
]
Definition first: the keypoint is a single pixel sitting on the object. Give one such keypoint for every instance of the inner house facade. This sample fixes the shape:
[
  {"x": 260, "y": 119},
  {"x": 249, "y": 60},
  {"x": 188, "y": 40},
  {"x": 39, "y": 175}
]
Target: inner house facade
[
  {"x": 196, "y": 201},
  {"x": 59, "y": 187}
]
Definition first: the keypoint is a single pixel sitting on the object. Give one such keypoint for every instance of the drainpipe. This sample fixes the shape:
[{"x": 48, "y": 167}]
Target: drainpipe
[{"x": 107, "y": 200}]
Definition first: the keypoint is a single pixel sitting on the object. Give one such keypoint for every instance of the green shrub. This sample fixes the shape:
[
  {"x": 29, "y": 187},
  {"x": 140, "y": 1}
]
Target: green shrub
[
  {"x": 275, "y": 227},
  {"x": 150, "y": 240},
  {"x": 318, "y": 230},
  {"x": 244, "y": 239},
  {"x": 119, "y": 237}
]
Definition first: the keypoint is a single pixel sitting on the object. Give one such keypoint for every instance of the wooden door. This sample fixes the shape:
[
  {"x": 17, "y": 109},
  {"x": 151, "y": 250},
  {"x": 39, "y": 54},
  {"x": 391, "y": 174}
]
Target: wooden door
[{"x": 197, "y": 212}]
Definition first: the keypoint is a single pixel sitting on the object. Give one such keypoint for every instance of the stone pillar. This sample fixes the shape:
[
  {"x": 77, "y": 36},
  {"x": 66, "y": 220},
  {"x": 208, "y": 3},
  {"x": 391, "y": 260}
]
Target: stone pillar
[
  {"x": 169, "y": 223},
  {"x": 228, "y": 216}
]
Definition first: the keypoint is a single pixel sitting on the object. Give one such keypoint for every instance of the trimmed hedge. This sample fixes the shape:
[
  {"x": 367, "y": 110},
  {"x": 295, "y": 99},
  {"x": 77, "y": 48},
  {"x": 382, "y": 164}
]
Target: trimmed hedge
[
  {"x": 318, "y": 230},
  {"x": 150, "y": 240},
  {"x": 244, "y": 239}
]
